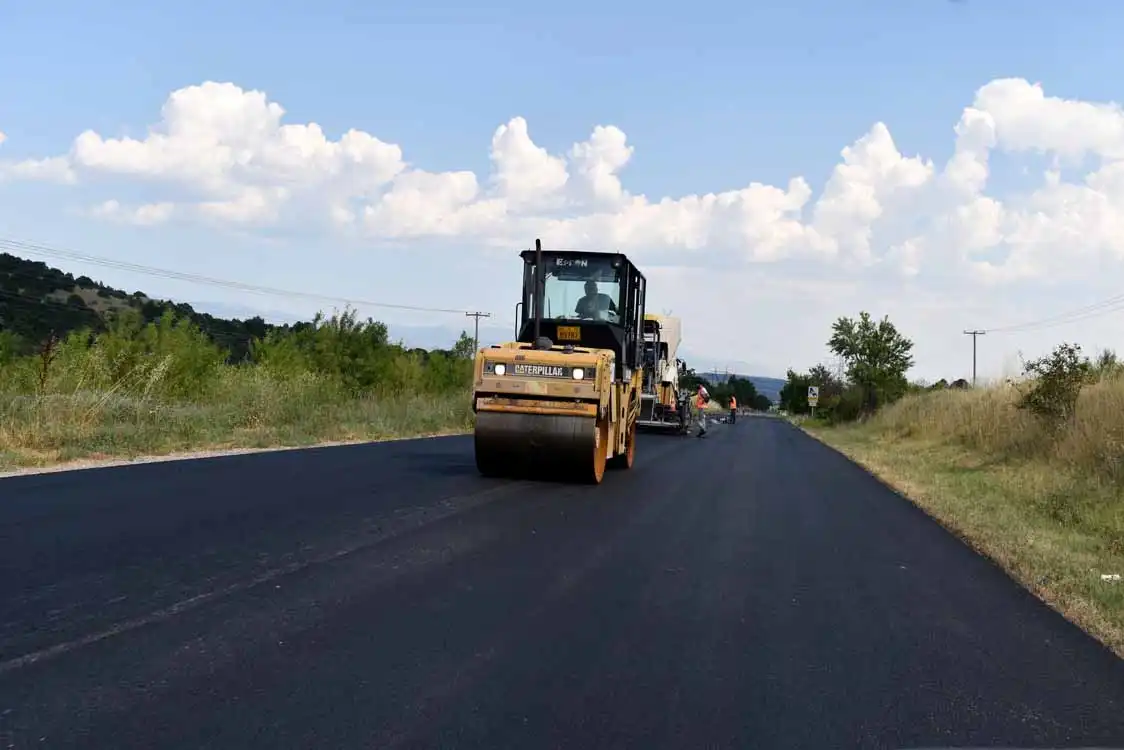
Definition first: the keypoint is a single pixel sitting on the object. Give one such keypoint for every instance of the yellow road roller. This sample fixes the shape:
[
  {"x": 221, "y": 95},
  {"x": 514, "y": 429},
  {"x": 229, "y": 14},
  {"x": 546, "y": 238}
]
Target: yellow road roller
[{"x": 562, "y": 400}]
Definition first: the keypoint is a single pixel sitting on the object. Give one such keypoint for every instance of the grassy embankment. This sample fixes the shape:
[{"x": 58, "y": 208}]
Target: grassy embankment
[
  {"x": 1048, "y": 507},
  {"x": 165, "y": 388}
]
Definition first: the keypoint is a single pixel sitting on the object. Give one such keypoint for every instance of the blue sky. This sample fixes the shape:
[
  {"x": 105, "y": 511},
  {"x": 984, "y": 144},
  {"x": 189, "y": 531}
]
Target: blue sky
[{"x": 710, "y": 99}]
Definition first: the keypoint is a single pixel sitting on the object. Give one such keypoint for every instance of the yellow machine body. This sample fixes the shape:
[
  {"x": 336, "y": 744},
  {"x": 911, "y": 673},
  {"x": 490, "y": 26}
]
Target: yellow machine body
[{"x": 559, "y": 410}]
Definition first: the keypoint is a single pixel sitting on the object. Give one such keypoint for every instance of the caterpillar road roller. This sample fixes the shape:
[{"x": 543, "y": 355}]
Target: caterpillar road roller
[
  {"x": 562, "y": 400},
  {"x": 662, "y": 406}
]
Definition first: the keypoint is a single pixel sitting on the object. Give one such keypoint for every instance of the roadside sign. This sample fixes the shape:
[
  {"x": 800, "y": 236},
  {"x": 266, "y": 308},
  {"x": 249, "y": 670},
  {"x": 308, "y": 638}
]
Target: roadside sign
[{"x": 813, "y": 395}]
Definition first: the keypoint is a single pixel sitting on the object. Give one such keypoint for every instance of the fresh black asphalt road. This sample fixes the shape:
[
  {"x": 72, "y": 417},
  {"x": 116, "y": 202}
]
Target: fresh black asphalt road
[{"x": 752, "y": 589}]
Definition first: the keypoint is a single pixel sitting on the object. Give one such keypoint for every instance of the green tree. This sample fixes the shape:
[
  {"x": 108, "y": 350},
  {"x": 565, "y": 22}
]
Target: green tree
[
  {"x": 465, "y": 348},
  {"x": 11, "y": 346},
  {"x": 832, "y": 405},
  {"x": 829, "y": 385},
  {"x": 794, "y": 393},
  {"x": 877, "y": 356},
  {"x": 355, "y": 352},
  {"x": 741, "y": 388},
  {"x": 174, "y": 355},
  {"x": 689, "y": 380},
  {"x": 1107, "y": 364}
]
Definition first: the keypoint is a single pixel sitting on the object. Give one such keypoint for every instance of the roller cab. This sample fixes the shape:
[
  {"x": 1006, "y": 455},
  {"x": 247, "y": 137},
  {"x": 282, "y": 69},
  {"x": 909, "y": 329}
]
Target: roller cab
[{"x": 562, "y": 400}]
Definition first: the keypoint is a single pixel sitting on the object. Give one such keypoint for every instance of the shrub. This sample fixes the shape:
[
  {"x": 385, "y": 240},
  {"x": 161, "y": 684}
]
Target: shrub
[{"x": 1054, "y": 385}]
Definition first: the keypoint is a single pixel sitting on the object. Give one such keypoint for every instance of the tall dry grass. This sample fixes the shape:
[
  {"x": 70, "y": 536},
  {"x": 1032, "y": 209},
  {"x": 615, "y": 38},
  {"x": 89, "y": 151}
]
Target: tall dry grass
[
  {"x": 987, "y": 420},
  {"x": 248, "y": 407},
  {"x": 1073, "y": 477},
  {"x": 164, "y": 387}
]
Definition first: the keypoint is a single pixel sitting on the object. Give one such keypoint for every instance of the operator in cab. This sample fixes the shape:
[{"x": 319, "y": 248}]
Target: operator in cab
[{"x": 594, "y": 304}]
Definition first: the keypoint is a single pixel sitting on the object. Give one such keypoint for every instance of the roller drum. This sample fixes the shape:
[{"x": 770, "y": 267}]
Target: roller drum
[{"x": 539, "y": 446}]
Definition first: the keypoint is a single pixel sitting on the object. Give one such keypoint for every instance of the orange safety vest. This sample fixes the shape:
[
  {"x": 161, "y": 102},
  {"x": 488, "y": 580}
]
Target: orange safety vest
[
  {"x": 700, "y": 402},
  {"x": 733, "y": 402}
]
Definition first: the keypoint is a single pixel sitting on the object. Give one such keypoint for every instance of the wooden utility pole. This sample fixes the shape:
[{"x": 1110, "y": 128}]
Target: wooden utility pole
[
  {"x": 476, "y": 329},
  {"x": 974, "y": 335}
]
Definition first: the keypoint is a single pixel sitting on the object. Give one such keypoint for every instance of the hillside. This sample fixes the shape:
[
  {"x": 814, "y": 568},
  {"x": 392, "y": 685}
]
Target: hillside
[
  {"x": 766, "y": 386},
  {"x": 37, "y": 301}
]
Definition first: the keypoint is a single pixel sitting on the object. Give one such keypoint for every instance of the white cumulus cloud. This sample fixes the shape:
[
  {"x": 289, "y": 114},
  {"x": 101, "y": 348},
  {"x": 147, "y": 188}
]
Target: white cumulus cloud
[
  {"x": 144, "y": 215},
  {"x": 225, "y": 155}
]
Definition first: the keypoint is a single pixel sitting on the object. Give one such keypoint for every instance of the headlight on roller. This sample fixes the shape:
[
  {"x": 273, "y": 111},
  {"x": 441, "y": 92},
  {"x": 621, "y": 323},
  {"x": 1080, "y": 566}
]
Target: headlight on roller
[
  {"x": 579, "y": 373},
  {"x": 501, "y": 368}
]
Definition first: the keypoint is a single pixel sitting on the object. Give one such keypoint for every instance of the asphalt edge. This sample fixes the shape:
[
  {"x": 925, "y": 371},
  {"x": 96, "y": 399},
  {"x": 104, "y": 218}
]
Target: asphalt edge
[
  {"x": 203, "y": 454},
  {"x": 1031, "y": 588}
]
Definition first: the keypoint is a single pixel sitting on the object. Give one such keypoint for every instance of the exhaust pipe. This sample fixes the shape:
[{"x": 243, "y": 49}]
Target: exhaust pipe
[{"x": 540, "y": 288}]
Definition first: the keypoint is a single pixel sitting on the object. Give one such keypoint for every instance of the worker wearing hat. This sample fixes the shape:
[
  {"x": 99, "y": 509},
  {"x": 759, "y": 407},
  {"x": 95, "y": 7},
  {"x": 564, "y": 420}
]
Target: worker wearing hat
[{"x": 702, "y": 397}]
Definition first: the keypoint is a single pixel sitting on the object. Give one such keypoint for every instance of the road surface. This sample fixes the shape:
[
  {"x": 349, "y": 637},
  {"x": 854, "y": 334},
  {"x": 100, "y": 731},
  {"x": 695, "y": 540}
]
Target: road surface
[{"x": 749, "y": 590}]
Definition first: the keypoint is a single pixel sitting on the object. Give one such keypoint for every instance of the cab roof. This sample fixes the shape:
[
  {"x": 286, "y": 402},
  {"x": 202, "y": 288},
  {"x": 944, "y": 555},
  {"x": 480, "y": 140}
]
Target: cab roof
[{"x": 529, "y": 256}]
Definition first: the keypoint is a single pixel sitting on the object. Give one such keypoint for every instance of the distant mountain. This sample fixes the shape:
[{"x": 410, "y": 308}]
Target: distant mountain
[
  {"x": 703, "y": 363},
  {"x": 766, "y": 386}
]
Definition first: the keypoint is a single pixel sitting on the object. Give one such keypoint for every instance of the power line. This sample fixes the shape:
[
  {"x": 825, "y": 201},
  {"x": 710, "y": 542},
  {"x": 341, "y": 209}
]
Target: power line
[
  {"x": 29, "y": 302},
  {"x": 1087, "y": 312},
  {"x": 1097, "y": 309},
  {"x": 21, "y": 247}
]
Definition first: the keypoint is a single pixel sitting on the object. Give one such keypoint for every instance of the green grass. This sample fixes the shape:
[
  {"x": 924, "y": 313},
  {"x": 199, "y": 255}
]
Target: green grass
[
  {"x": 247, "y": 408},
  {"x": 164, "y": 387}
]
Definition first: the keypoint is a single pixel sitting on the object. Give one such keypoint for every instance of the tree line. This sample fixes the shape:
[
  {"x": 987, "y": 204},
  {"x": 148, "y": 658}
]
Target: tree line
[
  {"x": 876, "y": 357},
  {"x": 354, "y": 355},
  {"x": 742, "y": 389}
]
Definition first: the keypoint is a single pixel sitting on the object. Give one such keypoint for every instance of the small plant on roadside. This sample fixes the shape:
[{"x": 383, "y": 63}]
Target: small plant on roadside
[
  {"x": 10, "y": 345},
  {"x": 1054, "y": 385},
  {"x": 47, "y": 353},
  {"x": 1107, "y": 365}
]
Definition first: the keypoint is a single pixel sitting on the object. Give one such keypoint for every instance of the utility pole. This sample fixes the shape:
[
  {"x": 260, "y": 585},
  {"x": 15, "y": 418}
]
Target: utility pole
[
  {"x": 476, "y": 329},
  {"x": 974, "y": 335}
]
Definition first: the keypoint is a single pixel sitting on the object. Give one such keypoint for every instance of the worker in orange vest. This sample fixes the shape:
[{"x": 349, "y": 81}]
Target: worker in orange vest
[
  {"x": 733, "y": 408},
  {"x": 701, "y": 399}
]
